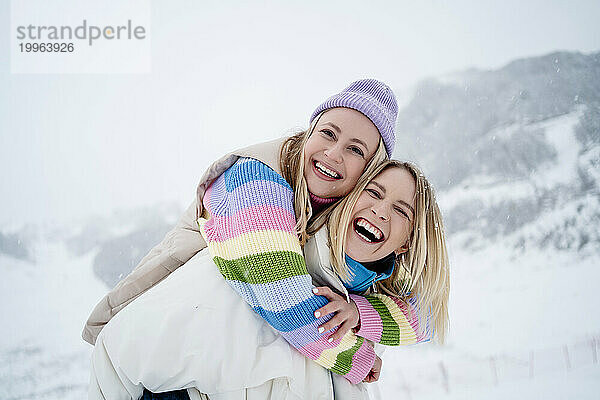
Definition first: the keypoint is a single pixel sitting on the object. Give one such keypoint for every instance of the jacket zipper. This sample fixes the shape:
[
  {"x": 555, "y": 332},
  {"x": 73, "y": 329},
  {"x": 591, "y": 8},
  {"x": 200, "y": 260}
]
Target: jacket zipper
[
  {"x": 374, "y": 281},
  {"x": 334, "y": 276}
]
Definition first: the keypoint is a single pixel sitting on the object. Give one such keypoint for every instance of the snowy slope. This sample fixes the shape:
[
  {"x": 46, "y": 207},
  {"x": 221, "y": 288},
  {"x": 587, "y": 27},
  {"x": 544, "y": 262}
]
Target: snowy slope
[
  {"x": 506, "y": 307},
  {"x": 44, "y": 304},
  {"x": 501, "y": 306}
]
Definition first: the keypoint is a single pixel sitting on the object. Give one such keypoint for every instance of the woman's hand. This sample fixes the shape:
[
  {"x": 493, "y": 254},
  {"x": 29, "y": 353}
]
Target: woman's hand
[
  {"x": 346, "y": 314},
  {"x": 373, "y": 375}
]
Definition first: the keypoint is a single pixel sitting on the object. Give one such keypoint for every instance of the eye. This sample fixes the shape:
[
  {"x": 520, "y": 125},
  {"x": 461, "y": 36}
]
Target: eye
[
  {"x": 328, "y": 133},
  {"x": 357, "y": 150},
  {"x": 374, "y": 193},
  {"x": 401, "y": 211}
]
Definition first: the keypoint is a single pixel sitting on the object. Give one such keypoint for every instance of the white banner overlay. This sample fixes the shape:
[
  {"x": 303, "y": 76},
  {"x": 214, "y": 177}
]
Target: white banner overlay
[{"x": 80, "y": 36}]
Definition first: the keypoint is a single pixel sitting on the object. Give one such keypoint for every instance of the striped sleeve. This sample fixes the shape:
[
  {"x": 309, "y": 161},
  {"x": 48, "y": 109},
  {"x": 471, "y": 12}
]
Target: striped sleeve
[
  {"x": 389, "y": 321},
  {"x": 252, "y": 239}
]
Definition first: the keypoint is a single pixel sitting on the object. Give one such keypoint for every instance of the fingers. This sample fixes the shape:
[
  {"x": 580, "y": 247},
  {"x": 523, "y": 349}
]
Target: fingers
[
  {"x": 373, "y": 375},
  {"x": 334, "y": 301},
  {"x": 376, "y": 370},
  {"x": 338, "y": 305},
  {"x": 338, "y": 319},
  {"x": 370, "y": 378},
  {"x": 327, "y": 292},
  {"x": 342, "y": 330},
  {"x": 329, "y": 308}
]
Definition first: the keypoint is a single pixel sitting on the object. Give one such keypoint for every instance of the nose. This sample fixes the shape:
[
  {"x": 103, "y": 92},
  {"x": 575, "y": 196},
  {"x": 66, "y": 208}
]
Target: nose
[
  {"x": 381, "y": 211},
  {"x": 334, "y": 153}
]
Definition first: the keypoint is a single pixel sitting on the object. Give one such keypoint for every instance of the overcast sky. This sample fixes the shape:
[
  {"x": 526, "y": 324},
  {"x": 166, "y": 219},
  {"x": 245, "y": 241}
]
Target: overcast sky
[{"x": 229, "y": 75}]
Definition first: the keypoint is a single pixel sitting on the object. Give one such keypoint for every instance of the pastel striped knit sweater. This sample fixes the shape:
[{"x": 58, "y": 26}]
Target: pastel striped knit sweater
[
  {"x": 251, "y": 236},
  {"x": 387, "y": 320}
]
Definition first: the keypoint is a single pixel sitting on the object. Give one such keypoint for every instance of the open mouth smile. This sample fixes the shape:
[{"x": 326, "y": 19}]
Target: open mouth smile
[
  {"x": 367, "y": 231},
  {"x": 325, "y": 171}
]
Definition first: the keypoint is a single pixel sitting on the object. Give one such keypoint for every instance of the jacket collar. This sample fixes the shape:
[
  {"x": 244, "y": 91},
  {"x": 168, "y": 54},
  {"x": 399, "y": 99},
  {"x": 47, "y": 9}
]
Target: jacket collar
[
  {"x": 361, "y": 278},
  {"x": 267, "y": 153}
]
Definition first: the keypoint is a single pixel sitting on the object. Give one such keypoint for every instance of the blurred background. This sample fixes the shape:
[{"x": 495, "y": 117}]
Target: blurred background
[{"x": 500, "y": 105}]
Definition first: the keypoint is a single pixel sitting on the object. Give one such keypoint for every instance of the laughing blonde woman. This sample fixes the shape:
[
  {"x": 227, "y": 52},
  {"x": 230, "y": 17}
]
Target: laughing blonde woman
[{"x": 379, "y": 260}]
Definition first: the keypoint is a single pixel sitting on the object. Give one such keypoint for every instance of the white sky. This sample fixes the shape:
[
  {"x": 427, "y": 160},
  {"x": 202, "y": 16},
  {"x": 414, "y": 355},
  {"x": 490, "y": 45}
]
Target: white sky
[{"x": 230, "y": 75}]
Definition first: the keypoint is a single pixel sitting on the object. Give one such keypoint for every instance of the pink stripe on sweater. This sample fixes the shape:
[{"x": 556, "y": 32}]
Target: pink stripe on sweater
[
  {"x": 359, "y": 371},
  {"x": 371, "y": 326},
  {"x": 255, "y": 219},
  {"x": 207, "y": 195},
  {"x": 314, "y": 349}
]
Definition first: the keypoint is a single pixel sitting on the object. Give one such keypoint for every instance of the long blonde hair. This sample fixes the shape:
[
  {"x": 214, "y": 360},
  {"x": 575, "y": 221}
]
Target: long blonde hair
[
  {"x": 422, "y": 273},
  {"x": 291, "y": 163}
]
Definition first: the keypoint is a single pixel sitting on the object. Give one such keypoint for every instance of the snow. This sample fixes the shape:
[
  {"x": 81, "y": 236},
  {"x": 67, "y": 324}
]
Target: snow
[
  {"x": 561, "y": 135},
  {"x": 488, "y": 190},
  {"x": 44, "y": 306},
  {"x": 507, "y": 308},
  {"x": 503, "y": 305},
  {"x": 577, "y": 384}
]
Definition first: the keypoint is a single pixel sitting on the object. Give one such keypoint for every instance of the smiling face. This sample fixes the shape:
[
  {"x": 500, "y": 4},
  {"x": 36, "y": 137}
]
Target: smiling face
[
  {"x": 337, "y": 152},
  {"x": 383, "y": 216}
]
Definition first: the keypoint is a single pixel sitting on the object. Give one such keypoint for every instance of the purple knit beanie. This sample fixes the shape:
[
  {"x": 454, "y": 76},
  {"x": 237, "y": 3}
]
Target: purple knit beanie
[{"x": 375, "y": 100}]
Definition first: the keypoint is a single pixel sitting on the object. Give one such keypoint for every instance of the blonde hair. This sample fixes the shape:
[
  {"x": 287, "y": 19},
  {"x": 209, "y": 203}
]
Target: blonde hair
[
  {"x": 291, "y": 163},
  {"x": 422, "y": 273}
]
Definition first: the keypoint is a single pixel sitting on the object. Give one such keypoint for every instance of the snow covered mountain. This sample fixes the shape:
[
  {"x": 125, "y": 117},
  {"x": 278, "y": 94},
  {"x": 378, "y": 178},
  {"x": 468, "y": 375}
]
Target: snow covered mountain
[
  {"x": 122, "y": 239},
  {"x": 513, "y": 152}
]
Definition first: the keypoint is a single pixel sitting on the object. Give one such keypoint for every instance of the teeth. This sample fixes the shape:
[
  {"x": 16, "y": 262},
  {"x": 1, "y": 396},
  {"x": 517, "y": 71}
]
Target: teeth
[
  {"x": 326, "y": 170},
  {"x": 364, "y": 237},
  {"x": 367, "y": 225}
]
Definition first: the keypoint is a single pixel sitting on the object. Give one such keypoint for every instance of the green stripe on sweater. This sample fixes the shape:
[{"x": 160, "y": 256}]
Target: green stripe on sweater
[
  {"x": 251, "y": 269},
  {"x": 390, "y": 335},
  {"x": 343, "y": 361}
]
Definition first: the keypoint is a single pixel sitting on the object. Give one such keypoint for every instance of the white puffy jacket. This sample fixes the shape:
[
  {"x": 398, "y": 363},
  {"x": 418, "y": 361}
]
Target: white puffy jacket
[{"x": 193, "y": 331}]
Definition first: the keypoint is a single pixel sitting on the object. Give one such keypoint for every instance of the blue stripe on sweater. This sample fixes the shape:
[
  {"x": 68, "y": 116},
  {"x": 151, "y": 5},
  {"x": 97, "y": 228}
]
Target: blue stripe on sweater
[
  {"x": 247, "y": 170},
  {"x": 268, "y": 295},
  {"x": 254, "y": 194},
  {"x": 294, "y": 317}
]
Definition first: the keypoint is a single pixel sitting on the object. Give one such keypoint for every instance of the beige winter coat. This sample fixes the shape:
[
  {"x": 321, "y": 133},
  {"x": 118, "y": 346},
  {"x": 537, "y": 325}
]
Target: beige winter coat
[{"x": 179, "y": 245}]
